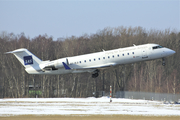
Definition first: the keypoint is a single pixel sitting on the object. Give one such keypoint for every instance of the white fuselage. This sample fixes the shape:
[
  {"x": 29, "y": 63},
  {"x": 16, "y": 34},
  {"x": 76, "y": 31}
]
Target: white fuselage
[{"x": 104, "y": 59}]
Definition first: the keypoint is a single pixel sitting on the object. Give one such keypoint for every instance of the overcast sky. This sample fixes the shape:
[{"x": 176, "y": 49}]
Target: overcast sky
[{"x": 64, "y": 18}]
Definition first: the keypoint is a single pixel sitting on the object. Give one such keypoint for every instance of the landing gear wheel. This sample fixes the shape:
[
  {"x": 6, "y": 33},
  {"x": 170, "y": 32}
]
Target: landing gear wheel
[{"x": 95, "y": 75}]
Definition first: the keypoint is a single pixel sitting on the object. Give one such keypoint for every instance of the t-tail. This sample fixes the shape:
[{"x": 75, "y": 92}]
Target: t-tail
[{"x": 28, "y": 60}]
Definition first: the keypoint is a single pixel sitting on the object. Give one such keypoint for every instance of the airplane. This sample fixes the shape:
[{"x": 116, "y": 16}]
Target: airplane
[{"x": 93, "y": 62}]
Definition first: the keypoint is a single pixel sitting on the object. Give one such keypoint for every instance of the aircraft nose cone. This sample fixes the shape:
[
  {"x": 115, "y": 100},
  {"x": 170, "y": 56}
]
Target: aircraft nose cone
[{"x": 171, "y": 52}]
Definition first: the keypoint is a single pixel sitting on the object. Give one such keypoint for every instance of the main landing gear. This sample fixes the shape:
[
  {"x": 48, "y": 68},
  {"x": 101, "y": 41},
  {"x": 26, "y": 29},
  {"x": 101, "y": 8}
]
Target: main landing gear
[
  {"x": 163, "y": 62},
  {"x": 95, "y": 74}
]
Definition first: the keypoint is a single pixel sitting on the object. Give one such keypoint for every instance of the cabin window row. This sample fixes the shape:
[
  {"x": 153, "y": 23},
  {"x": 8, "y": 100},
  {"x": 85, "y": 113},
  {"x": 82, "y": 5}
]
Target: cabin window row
[{"x": 103, "y": 58}]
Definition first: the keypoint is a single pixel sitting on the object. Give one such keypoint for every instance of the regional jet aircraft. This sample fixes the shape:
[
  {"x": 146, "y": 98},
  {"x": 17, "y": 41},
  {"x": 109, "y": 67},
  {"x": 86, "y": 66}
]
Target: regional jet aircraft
[{"x": 91, "y": 62}]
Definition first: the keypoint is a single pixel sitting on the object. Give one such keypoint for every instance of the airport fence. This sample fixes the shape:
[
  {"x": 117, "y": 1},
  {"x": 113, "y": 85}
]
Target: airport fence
[{"x": 148, "y": 96}]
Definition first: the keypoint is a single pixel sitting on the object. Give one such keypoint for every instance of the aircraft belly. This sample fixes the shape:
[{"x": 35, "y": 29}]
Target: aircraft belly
[
  {"x": 55, "y": 72},
  {"x": 63, "y": 71}
]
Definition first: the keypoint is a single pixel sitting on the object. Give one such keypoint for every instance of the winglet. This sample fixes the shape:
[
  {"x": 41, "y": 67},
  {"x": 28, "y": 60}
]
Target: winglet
[{"x": 66, "y": 66}]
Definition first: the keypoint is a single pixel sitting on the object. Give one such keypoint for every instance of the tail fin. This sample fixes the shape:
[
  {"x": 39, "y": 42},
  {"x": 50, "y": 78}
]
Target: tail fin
[{"x": 26, "y": 58}]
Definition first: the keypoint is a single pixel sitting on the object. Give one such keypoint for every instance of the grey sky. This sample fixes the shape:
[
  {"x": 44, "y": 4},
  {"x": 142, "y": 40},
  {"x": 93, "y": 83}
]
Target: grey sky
[{"x": 77, "y": 17}]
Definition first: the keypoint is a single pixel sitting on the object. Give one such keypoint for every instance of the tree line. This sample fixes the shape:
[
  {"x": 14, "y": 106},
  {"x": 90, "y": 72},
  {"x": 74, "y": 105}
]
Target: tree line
[{"x": 149, "y": 76}]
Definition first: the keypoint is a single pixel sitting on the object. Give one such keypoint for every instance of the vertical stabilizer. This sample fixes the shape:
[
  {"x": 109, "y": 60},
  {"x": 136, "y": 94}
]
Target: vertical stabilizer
[{"x": 26, "y": 58}]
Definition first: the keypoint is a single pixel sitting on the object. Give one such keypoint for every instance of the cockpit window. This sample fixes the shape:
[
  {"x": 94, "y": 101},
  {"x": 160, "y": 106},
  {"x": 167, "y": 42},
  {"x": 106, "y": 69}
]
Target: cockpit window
[{"x": 157, "y": 47}]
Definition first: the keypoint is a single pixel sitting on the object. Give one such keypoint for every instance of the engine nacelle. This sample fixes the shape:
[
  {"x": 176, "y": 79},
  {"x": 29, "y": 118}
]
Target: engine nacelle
[
  {"x": 53, "y": 65},
  {"x": 58, "y": 63}
]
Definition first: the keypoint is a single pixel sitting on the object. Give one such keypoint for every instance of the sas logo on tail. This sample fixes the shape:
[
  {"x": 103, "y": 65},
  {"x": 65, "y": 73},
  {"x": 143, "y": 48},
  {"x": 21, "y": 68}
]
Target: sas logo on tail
[{"x": 28, "y": 60}]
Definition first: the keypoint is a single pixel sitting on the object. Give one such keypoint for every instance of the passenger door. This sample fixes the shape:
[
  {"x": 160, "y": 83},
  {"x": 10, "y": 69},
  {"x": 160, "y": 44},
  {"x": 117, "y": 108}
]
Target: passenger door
[{"x": 144, "y": 54}]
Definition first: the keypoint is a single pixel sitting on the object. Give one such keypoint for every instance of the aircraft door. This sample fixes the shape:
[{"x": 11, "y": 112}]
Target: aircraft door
[{"x": 144, "y": 54}]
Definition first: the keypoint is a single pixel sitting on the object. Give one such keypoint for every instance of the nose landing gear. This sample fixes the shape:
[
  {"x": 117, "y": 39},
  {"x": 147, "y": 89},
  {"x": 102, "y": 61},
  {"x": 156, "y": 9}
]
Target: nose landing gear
[
  {"x": 163, "y": 62},
  {"x": 95, "y": 74}
]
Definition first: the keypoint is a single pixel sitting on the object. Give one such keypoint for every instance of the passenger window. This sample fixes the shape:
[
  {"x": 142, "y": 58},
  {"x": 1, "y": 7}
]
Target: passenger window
[
  {"x": 84, "y": 60},
  {"x": 79, "y": 61},
  {"x": 113, "y": 56},
  {"x": 108, "y": 57},
  {"x": 99, "y": 58},
  {"x": 103, "y": 57},
  {"x": 132, "y": 52},
  {"x": 89, "y": 60},
  {"x": 94, "y": 59},
  {"x": 122, "y": 54},
  {"x": 118, "y": 55},
  {"x": 127, "y": 53}
]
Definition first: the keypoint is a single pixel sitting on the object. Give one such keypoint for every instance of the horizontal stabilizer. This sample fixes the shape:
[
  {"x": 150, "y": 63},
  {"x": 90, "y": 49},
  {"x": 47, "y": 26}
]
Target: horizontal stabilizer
[{"x": 17, "y": 51}]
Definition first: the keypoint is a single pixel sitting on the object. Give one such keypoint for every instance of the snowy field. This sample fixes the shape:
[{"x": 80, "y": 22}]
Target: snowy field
[{"x": 86, "y": 106}]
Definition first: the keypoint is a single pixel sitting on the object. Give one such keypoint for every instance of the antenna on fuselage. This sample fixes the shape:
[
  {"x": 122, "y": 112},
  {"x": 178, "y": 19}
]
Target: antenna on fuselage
[
  {"x": 134, "y": 44},
  {"x": 103, "y": 50}
]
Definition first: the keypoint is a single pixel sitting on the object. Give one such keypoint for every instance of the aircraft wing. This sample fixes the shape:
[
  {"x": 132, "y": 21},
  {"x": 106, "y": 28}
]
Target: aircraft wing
[{"x": 91, "y": 67}]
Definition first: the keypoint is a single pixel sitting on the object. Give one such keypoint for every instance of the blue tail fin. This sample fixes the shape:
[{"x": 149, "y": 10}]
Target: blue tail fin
[{"x": 26, "y": 58}]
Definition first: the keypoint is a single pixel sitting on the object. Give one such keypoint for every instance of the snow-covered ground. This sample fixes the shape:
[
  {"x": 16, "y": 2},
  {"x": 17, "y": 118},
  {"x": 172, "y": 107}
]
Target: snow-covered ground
[{"x": 85, "y": 106}]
